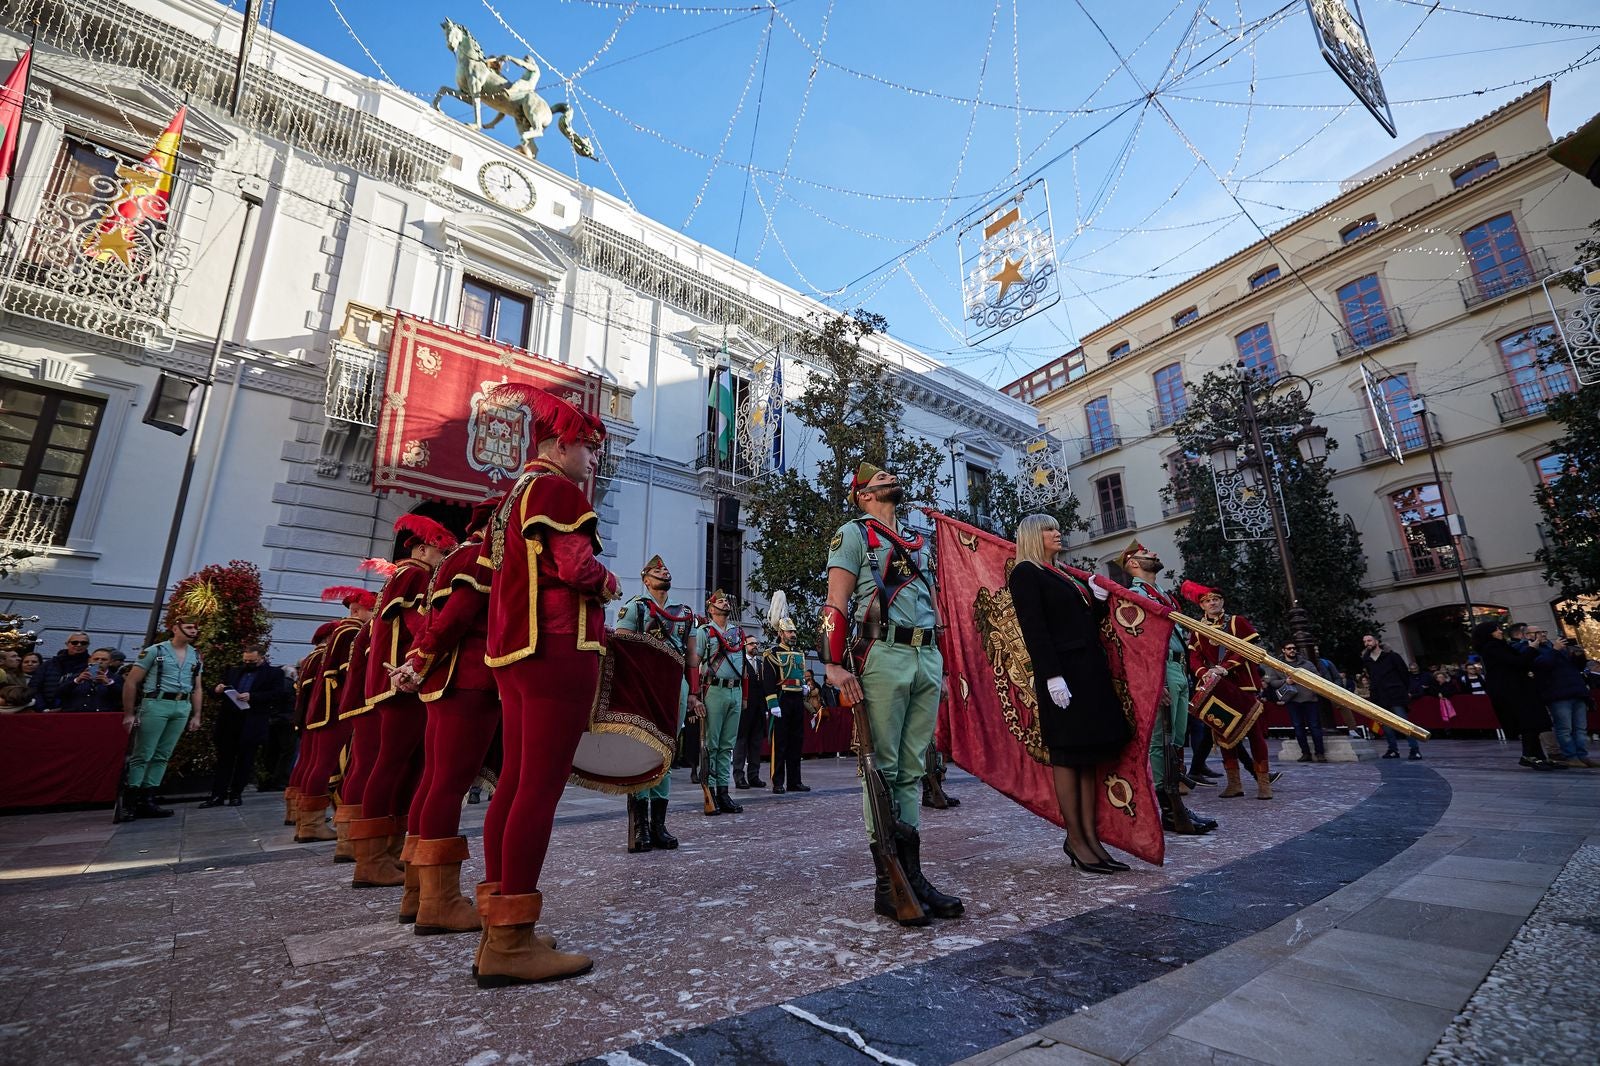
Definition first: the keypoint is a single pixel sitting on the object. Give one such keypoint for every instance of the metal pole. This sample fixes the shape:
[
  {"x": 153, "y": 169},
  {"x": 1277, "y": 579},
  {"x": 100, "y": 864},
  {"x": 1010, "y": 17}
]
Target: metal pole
[
  {"x": 955, "y": 484},
  {"x": 1299, "y": 622},
  {"x": 250, "y": 191},
  {"x": 247, "y": 36},
  {"x": 1444, "y": 505}
]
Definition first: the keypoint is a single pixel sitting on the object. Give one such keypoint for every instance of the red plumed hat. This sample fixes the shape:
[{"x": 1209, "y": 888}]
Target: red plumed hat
[
  {"x": 553, "y": 416},
  {"x": 420, "y": 529},
  {"x": 382, "y": 567},
  {"x": 324, "y": 631},
  {"x": 352, "y": 596},
  {"x": 1194, "y": 592},
  {"x": 482, "y": 511}
]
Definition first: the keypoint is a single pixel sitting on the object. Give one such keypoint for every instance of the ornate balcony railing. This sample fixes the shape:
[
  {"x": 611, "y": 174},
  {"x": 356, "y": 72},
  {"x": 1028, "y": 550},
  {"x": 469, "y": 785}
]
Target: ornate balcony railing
[
  {"x": 1420, "y": 563},
  {"x": 1531, "y": 267},
  {"x": 1528, "y": 399},
  {"x": 1105, "y": 440},
  {"x": 1163, "y": 415},
  {"x": 31, "y": 522},
  {"x": 1381, "y": 327},
  {"x": 734, "y": 462},
  {"x": 1370, "y": 443},
  {"x": 1177, "y": 507},
  {"x": 1109, "y": 521}
]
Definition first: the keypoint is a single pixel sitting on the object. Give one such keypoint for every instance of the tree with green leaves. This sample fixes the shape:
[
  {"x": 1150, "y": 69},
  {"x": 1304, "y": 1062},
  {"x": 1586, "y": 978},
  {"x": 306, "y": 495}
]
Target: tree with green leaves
[{"x": 1329, "y": 561}]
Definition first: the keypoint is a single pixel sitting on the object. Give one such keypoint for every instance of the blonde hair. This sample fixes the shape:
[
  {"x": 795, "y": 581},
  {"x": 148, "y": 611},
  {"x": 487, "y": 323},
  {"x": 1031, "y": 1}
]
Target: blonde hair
[{"x": 1030, "y": 539}]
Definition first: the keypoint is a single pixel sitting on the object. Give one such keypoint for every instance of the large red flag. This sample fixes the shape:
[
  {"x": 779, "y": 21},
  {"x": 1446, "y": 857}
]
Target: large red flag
[
  {"x": 11, "y": 93},
  {"x": 989, "y": 723}
]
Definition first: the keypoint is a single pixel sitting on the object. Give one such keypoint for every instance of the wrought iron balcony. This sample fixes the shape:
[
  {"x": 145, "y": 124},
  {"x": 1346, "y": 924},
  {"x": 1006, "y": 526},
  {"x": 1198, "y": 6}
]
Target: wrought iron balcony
[
  {"x": 1108, "y": 438},
  {"x": 1381, "y": 327},
  {"x": 1177, "y": 507},
  {"x": 1163, "y": 415},
  {"x": 1109, "y": 521},
  {"x": 31, "y": 522},
  {"x": 1527, "y": 269},
  {"x": 733, "y": 462},
  {"x": 1421, "y": 563},
  {"x": 1529, "y": 399},
  {"x": 355, "y": 384},
  {"x": 1370, "y": 443}
]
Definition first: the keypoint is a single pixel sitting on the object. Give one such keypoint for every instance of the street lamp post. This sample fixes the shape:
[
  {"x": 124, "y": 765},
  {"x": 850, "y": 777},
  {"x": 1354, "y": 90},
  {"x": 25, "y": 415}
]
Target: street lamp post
[{"x": 958, "y": 450}]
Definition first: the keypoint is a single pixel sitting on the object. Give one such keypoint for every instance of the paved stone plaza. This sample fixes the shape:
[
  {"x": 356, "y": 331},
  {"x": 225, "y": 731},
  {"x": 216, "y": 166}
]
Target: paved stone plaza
[{"x": 1352, "y": 919}]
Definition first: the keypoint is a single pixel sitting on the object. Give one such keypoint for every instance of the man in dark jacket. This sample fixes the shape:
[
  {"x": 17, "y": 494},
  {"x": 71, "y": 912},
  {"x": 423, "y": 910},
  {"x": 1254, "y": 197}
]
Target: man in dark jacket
[
  {"x": 1390, "y": 683},
  {"x": 97, "y": 687},
  {"x": 1506, "y": 671},
  {"x": 1558, "y": 673},
  {"x": 252, "y": 693},
  {"x": 64, "y": 665}
]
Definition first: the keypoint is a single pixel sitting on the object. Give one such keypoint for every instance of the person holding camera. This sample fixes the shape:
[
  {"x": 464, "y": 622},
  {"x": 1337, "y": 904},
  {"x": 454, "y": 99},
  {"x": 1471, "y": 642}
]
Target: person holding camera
[
  {"x": 1558, "y": 671},
  {"x": 97, "y": 687}
]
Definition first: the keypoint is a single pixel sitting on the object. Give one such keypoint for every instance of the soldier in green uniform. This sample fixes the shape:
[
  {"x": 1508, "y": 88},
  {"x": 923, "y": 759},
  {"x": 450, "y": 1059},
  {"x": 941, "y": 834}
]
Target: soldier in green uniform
[
  {"x": 672, "y": 623},
  {"x": 1172, "y": 725},
  {"x": 877, "y": 641},
  {"x": 721, "y": 649},
  {"x": 784, "y": 671}
]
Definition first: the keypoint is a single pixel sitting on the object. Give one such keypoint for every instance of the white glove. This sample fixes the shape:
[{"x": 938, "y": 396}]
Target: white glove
[
  {"x": 1060, "y": 694},
  {"x": 1099, "y": 590},
  {"x": 777, "y": 712}
]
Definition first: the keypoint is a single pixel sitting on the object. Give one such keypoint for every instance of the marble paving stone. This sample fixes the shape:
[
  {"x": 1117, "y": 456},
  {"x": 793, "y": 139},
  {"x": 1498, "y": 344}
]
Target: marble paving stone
[
  {"x": 1435, "y": 923},
  {"x": 1496, "y": 896},
  {"x": 1516, "y": 872},
  {"x": 1282, "y": 1019},
  {"x": 1036, "y": 1052},
  {"x": 344, "y": 943},
  {"x": 1519, "y": 847},
  {"x": 1175, "y": 1051},
  {"x": 1440, "y": 977}
]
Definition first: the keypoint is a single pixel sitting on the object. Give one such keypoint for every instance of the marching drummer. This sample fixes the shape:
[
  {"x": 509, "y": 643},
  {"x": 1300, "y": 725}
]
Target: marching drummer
[
  {"x": 1212, "y": 662},
  {"x": 649, "y": 612},
  {"x": 722, "y": 654}
]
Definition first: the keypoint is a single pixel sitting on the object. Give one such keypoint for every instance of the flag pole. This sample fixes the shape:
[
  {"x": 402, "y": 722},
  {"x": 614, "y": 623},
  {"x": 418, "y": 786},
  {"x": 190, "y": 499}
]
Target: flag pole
[{"x": 11, "y": 177}]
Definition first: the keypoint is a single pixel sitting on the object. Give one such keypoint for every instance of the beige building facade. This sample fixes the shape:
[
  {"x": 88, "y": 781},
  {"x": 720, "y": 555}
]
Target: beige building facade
[{"x": 1429, "y": 270}]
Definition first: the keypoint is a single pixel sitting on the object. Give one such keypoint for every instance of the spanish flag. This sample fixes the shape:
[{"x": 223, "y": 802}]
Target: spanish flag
[
  {"x": 141, "y": 205},
  {"x": 11, "y": 94}
]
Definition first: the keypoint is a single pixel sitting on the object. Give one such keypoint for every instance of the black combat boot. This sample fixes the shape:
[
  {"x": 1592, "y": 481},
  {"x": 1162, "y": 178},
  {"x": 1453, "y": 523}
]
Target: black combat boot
[
  {"x": 638, "y": 825},
  {"x": 739, "y": 781},
  {"x": 148, "y": 807},
  {"x": 1175, "y": 816},
  {"x": 659, "y": 837},
  {"x": 725, "y": 804},
  {"x": 940, "y": 905},
  {"x": 755, "y": 779},
  {"x": 883, "y": 896},
  {"x": 1200, "y": 821}
]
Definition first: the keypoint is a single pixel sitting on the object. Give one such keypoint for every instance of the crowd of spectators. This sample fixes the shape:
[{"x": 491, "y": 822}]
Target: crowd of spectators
[{"x": 74, "y": 679}]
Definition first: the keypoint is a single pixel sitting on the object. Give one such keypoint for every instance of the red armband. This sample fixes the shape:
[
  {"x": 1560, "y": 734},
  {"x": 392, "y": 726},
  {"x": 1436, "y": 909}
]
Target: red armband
[{"x": 833, "y": 631}]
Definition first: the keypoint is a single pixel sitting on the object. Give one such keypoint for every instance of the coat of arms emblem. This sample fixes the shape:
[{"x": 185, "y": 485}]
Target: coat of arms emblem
[{"x": 498, "y": 435}]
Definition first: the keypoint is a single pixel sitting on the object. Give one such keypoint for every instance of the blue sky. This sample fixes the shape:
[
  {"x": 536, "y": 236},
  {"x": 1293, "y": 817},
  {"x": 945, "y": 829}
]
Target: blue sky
[{"x": 833, "y": 143}]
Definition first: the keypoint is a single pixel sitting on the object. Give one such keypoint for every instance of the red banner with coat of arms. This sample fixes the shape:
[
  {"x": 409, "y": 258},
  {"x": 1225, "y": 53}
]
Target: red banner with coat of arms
[
  {"x": 989, "y": 722},
  {"x": 437, "y": 437}
]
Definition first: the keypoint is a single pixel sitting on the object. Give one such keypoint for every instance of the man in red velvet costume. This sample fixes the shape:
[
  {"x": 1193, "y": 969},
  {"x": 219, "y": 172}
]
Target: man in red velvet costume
[
  {"x": 324, "y": 734},
  {"x": 364, "y": 729},
  {"x": 381, "y": 830},
  {"x": 1209, "y": 658},
  {"x": 305, "y": 673},
  {"x": 546, "y": 636},
  {"x": 446, "y": 665}
]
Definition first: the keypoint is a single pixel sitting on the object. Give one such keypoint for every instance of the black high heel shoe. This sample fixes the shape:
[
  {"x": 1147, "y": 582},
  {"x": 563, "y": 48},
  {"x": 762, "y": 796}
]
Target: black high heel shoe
[
  {"x": 1115, "y": 864},
  {"x": 1086, "y": 867}
]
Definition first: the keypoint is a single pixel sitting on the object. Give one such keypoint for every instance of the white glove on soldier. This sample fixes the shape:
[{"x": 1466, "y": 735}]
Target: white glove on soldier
[
  {"x": 1060, "y": 694},
  {"x": 1099, "y": 590}
]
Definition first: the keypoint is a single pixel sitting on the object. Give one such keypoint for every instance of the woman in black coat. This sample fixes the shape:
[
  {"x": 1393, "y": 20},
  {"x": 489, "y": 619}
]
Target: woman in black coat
[
  {"x": 1080, "y": 714},
  {"x": 1511, "y": 688}
]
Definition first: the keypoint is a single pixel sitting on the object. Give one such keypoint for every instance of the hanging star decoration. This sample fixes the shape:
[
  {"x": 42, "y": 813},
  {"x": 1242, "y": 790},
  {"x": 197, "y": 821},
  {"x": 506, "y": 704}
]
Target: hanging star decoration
[{"x": 1010, "y": 274}]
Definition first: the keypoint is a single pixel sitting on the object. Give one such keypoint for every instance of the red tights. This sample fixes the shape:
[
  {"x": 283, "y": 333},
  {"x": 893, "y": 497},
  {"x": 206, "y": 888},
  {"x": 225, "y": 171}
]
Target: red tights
[
  {"x": 546, "y": 700},
  {"x": 365, "y": 736},
  {"x": 402, "y": 722},
  {"x": 1258, "y": 748},
  {"x": 460, "y": 726},
  {"x": 319, "y": 754}
]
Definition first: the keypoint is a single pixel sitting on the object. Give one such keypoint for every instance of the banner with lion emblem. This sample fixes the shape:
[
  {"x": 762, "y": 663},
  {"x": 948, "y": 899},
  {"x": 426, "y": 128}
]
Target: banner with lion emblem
[{"x": 989, "y": 724}]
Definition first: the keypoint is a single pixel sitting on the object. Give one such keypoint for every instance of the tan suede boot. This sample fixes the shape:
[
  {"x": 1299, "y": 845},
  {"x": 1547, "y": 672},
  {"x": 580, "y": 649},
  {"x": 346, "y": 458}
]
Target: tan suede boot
[
  {"x": 1235, "y": 787},
  {"x": 291, "y": 797},
  {"x": 397, "y": 842},
  {"x": 1263, "y": 785},
  {"x": 369, "y": 837},
  {"x": 442, "y": 908},
  {"x": 482, "y": 892},
  {"x": 512, "y": 954},
  {"x": 344, "y": 851},
  {"x": 311, "y": 824},
  {"x": 412, "y": 896}
]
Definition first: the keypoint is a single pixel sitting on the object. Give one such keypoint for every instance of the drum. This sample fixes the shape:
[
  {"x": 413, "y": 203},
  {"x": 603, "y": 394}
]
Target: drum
[
  {"x": 1229, "y": 710},
  {"x": 634, "y": 725}
]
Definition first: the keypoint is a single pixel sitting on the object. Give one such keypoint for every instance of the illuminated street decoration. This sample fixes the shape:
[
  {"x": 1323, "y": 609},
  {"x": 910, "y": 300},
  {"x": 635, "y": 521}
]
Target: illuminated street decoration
[
  {"x": 1008, "y": 262},
  {"x": 1342, "y": 39}
]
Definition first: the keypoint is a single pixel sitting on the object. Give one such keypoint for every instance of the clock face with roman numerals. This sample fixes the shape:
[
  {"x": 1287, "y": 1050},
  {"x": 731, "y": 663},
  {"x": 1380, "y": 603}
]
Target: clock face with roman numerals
[{"x": 506, "y": 185}]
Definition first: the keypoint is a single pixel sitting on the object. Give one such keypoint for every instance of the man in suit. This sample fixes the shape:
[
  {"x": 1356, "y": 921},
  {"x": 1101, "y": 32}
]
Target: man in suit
[{"x": 259, "y": 691}]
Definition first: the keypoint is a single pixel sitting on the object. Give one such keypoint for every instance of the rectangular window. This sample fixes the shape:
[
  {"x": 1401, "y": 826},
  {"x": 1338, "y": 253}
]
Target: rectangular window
[
  {"x": 978, "y": 485},
  {"x": 1180, "y": 468},
  {"x": 1356, "y": 230},
  {"x": 493, "y": 312},
  {"x": 1097, "y": 417},
  {"x": 1255, "y": 351},
  {"x": 1264, "y": 277},
  {"x": 1184, "y": 317},
  {"x": 1113, "y": 509},
  {"x": 1474, "y": 170},
  {"x": 1365, "y": 315},
  {"x": 1397, "y": 395},
  {"x": 1535, "y": 375},
  {"x": 1117, "y": 351},
  {"x": 1420, "y": 513},
  {"x": 1551, "y": 467},
  {"x": 46, "y": 439},
  {"x": 1077, "y": 364},
  {"x": 1171, "y": 398},
  {"x": 1499, "y": 262}
]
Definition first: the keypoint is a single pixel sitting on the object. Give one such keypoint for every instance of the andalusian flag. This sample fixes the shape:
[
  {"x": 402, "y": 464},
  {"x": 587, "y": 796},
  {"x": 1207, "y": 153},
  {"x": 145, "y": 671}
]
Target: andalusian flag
[
  {"x": 11, "y": 94},
  {"x": 720, "y": 401},
  {"x": 141, "y": 206}
]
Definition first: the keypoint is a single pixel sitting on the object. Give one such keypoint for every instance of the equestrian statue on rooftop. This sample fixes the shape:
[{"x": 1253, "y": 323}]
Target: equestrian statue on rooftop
[{"x": 480, "y": 80}]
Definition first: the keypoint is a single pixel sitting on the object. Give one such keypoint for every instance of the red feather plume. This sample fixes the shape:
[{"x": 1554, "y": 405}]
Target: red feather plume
[
  {"x": 382, "y": 567},
  {"x": 351, "y": 596},
  {"x": 553, "y": 416},
  {"x": 425, "y": 530}
]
